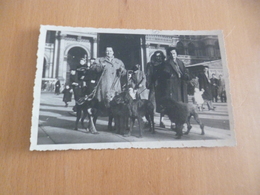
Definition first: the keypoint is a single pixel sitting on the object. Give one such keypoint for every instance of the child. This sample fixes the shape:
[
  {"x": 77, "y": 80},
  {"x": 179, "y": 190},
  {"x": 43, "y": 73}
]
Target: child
[
  {"x": 67, "y": 91},
  {"x": 198, "y": 98}
]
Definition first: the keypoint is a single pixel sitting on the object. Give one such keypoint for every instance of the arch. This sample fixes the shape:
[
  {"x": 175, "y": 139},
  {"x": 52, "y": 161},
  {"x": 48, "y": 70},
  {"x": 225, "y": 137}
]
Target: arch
[
  {"x": 47, "y": 58},
  {"x": 180, "y": 48},
  {"x": 74, "y": 54},
  {"x": 69, "y": 47}
]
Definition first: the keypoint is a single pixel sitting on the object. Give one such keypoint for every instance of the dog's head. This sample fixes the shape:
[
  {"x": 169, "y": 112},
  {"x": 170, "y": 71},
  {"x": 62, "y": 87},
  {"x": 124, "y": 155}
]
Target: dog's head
[
  {"x": 109, "y": 97},
  {"x": 165, "y": 103},
  {"x": 116, "y": 100},
  {"x": 121, "y": 98}
]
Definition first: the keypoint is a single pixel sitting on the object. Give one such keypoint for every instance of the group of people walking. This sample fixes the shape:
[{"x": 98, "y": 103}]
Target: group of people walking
[
  {"x": 208, "y": 90},
  {"x": 164, "y": 77}
]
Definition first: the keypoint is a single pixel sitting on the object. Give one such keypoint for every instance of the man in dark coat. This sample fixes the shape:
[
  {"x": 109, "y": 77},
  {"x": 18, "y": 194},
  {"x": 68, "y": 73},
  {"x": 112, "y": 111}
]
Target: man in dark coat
[
  {"x": 57, "y": 87},
  {"x": 205, "y": 84},
  {"x": 176, "y": 77},
  {"x": 214, "y": 83}
]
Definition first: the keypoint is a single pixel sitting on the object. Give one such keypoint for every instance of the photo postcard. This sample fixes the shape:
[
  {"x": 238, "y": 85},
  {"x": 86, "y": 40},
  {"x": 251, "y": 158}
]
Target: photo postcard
[{"x": 130, "y": 88}]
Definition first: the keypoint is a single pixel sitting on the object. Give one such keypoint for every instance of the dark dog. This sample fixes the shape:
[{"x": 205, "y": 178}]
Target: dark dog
[
  {"x": 139, "y": 108},
  {"x": 87, "y": 107},
  {"x": 180, "y": 113},
  {"x": 119, "y": 111}
]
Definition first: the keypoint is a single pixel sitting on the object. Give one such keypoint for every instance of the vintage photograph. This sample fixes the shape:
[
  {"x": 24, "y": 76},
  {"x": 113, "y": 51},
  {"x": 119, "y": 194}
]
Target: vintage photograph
[{"x": 122, "y": 88}]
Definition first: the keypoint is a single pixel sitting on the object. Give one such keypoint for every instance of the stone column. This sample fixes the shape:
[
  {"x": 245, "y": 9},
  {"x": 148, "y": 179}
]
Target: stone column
[
  {"x": 50, "y": 65},
  {"x": 94, "y": 48},
  {"x": 143, "y": 53},
  {"x": 147, "y": 49},
  {"x": 56, "y": 54},
  {"x": 62, "y": 65}
]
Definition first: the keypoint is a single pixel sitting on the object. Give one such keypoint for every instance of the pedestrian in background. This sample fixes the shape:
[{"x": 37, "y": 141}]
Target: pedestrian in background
[
  {"x": 57, "y": 87},
  {"x": 198, "y": 100},
  {"x": 205, "y": 84},
  {"x": 67, "y": 94},
  {"x": 214, "y": 82}
]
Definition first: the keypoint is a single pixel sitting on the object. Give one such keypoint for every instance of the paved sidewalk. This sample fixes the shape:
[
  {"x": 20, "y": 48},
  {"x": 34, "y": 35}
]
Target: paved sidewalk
[{"x": 56, "y": 126}]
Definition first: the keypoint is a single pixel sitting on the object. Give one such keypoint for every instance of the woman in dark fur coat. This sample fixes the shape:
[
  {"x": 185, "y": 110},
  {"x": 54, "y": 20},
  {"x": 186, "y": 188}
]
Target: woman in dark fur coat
[{"x": 154, "y": 81}]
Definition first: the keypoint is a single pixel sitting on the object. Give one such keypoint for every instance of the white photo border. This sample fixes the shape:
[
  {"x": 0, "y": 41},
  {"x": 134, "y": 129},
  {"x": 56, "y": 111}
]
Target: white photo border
[{"x": 116, "y": 145}]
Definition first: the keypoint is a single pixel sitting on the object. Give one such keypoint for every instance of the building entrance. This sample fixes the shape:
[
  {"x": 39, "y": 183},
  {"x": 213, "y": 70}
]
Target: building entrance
[
  {"x": 74, "y": 56},
  {"x": 126, "y": 47}
]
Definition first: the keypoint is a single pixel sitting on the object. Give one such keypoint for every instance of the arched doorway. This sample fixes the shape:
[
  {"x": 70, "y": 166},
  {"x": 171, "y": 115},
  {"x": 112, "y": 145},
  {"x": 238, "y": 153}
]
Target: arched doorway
[
  {"x": 73, "y": 59},
  {"x": 126, "y": 47},
  {"x": 74, "y": 56}
]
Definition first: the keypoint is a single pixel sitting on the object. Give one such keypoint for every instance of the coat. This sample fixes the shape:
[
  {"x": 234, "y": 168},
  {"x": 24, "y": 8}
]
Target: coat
[
  {"x": 155, "y": 83},
  {"x": 67, "y": 95},
  {"x": 88, "y": 78},
  {"x": 138, "y": 80},
  {"x": 176, "y": 83},
  {"x": 57, "y": 87},
  {"x": 214, "y": 85},
  {"x": 110, "y": 77},
  {"x": 205, "y": 84},
  {"x": 198, "y": 97},
  {"x": 221, "y": 86}
]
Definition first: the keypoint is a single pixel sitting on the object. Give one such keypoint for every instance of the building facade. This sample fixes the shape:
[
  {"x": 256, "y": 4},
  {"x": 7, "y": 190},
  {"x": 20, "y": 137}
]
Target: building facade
[{"x": 63, "y": 50}]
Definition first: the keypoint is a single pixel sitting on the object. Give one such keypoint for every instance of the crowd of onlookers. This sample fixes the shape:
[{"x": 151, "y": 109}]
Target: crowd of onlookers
[{"x": 206, "y": 89}]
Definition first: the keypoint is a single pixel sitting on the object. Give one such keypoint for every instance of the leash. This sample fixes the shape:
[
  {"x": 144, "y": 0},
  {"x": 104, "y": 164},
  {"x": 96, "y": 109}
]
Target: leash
[{"x": 92, "y": 94}]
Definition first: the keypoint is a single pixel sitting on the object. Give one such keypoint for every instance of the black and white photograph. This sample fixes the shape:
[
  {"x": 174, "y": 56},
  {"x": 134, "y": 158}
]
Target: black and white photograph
[{"x": 130, "y": 88}]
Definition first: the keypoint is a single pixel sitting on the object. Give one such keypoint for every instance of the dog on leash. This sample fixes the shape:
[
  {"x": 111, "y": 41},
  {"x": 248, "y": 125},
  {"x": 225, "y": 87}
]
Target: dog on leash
[
  {"x": 180, "y": 113},
  {"x": 87, "y": 107},
  {"x": 139, "y": 108},
  {"x": 119, "y": 111}
]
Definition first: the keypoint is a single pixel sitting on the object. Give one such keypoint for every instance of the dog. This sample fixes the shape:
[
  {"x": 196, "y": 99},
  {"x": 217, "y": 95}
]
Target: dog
[
  {"x": 119, "y": 111},
  {"x": 87, "y": 107},
  {"x": 180, "y": 113},
  {"x": 139, "y": 108}
]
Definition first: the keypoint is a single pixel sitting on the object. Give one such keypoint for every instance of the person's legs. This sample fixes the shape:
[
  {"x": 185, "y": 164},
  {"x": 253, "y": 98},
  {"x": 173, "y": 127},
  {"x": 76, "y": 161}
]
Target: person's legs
[
  {"x": 161, "y": 121},
  {"x": 210, "y": 105}
]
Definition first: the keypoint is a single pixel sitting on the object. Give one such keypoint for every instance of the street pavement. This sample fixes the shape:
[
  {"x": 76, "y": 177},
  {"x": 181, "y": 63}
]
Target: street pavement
[{"x": 56, "y": 126}]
